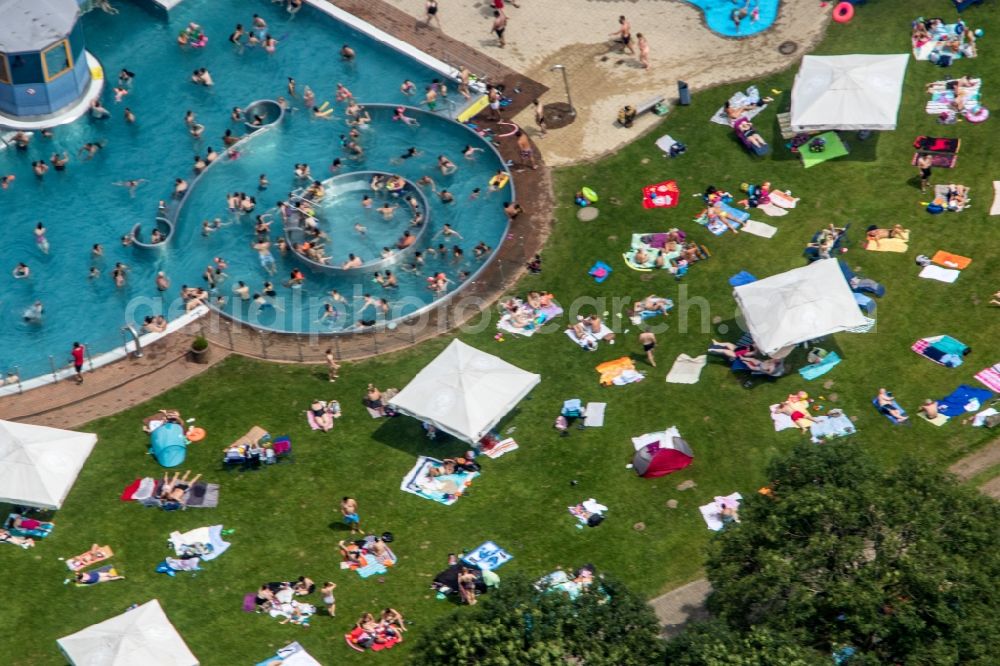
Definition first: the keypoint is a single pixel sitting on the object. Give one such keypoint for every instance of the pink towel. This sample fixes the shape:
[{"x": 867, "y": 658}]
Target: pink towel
[{"x": 991, "y": 378}]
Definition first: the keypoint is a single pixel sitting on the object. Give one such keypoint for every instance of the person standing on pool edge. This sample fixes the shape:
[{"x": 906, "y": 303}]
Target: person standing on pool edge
[
  {"x": 431, "y": 8},
  {"x": 78, "y": 353},
  {"x": 349, "y": 510}
]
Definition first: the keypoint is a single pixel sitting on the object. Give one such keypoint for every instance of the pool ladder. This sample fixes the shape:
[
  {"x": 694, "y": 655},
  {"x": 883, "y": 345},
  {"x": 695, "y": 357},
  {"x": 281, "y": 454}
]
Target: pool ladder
[{"x": 128, "y": 330}]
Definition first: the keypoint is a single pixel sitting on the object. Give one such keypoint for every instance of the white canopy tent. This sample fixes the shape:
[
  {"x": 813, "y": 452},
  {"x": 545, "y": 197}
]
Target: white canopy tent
[
  {"x": 848, "y": 92},
  {"x": 464, "y": 391},
  {"x": 142, "y": 635},
  {"x": 38, "y": 465},
  {"x": 799, "y": 305}
]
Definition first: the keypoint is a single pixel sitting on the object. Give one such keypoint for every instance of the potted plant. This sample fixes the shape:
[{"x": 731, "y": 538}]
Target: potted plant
[{"x": 199, "y": 349}]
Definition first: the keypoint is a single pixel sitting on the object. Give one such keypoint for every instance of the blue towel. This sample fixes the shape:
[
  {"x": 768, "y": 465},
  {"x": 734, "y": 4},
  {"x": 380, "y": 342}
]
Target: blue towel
[
  {"x": 886, "y": 414},
  {"x": 742, "y": 278},
  {"x": 596, "y": 271},
  {"x": 821, "y": 368},
  {"x": 954, "y": 403}
]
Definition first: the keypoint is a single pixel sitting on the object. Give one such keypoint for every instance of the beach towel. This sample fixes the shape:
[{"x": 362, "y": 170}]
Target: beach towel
[
  {"x": 935, "y": 144},
  {"x": 496, "y": 450},
  {"x": 749, "y": 98},
  {"x": 618, "y": 372},
  {"x": 686, "y": 369},
  {"x": 656, "y": 437},
  {"x": 780, "y": 420},
  {"x": 661, "y": 195},
  {"x": 783, "y": 199},
  {"x": 712, "y": 512},
  {"x": 835, "y": 148},
  {"x": 887, "y": 245},
  {"x": 665, "y": 143},
  {"x": 941, "y": 35},
  {"x": 938, "y": 420},
  {"x": 204, "y": 542},
  {"x": 600, "y": 271},
  {"x": 487, "y": 556},
  {"x": 35, "y": 529},
  {"x": 990, "y": 377},
  {"x": 594, "y": 414},
  {"x": 886, "y": 414},
  {"x": 506, "y": 324},
  {"x": 995, "y": 208},
  {"x": 942, "y": 199},
  {"x": 759, "y": 229},
  {"x": 963, "y": 399},
  {"x": 445, "y": 489},
  {"x": 589, "y": 340},
  {"x": 835, "y": 424},
  {"x": 772, "y": 210},
  {"x": 941, "y": 98},
  {"x": 585, "y": 510},
  {"x": 980, "y": 419},
  {"x": 821, "y": 367},
  {"x": 942, "y": 349},
  {"x": 109, "y": 569},
  {"x": 940, "y": 274},
  {"x": 84, "y": 560},
  {"x": 938, "y": 161},
  {"x": 375, "y": 565},
  {"x": 949, "y": 260}
]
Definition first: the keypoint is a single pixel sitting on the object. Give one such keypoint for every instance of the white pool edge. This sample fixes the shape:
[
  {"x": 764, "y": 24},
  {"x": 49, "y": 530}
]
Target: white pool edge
[{"x": 107, "y": 357}]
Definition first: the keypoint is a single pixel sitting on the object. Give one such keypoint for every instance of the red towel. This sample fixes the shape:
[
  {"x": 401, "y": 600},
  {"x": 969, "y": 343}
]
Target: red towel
[{"x": 130, "y": 490}]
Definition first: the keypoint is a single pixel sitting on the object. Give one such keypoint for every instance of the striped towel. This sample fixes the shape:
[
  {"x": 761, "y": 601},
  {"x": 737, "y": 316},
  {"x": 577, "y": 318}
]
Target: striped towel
[{"x": 991, "y": 378}]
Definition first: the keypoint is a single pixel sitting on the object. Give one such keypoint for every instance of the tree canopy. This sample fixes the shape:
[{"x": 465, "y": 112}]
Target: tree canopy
[
  {"x": 517, "y": 625},
  {"x": 901, "y": 566}
]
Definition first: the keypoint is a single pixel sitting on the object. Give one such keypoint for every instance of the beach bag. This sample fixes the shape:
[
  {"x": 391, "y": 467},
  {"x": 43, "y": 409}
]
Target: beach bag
[
  {"x": 595, "y": 520},
  {"x": 935, "y": 208}
]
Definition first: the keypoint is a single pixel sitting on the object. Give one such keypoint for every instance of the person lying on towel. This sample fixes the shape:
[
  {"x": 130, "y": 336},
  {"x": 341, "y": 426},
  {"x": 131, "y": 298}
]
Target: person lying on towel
[
  {"x": 887, "y": 405},
  {"x": 749, "y": 133},
  {"x": 652, "y": 304},
  {"x": 956, "y": 197},
  {"x": 591, "y": 326},
  {"x": 173, "y": 489},
  {"x": 732, "y": 351},
  {"x": 875, "y": 234},
  {"x": 23, "y": 542},
  {"x": 95, "y": 577}
]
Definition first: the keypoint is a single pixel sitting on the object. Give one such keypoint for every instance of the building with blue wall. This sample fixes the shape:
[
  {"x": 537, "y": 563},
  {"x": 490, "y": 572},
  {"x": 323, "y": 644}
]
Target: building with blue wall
[{"x": 43, "y": 64}]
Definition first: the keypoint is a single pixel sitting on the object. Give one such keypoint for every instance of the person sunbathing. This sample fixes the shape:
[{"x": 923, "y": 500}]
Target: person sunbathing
[
  {"x": 467, "y": 586},
  {"x": 690, "y": 253},
  {"x": 956, "y": 197},
  {"x": 534, "y": 300},
  {"x": 173, "y": 489},
  {"x": 651, "y": 304},
  {"x": 23, "y": 542},
  {"x": 735, "y": 112},
  {"x": 95, "y": 577},
  {"x": 350, "y": 551},
  {"x": 264, "y": 598},
  {"x": 378, "y": 548},
  {"x": 321, "y": 415},
  {"x": 446, "y": 468},
  {"x": 750, "y": 134},
  {"x": 771, "y": 366},
  {"x": 920, "y": 36},
  {"x": 373, "y": 399},
  {"x": 876, "y": 234},
  {"x": 595, "y": 323},
  {"x": 995, "y": 299},
  {"x": 22, "y": 523},
  {"x": 303, "y": 586},
  {"x": 731, "y": 351},
  {"x": 521, "y": 319},
  {"x": 641, "y": 257},
  {"x": 583, "y": 336},
  {"x": 930, "y": 409},
  {"x": 887, "y": 405},
  {"x": 393, "y": 618},
  {"x": 798, "y": 413}
]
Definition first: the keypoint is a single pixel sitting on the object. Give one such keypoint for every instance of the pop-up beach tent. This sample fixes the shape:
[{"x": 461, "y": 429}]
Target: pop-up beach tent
[
  {"x": 142, "y": 635},
  {"x": 667, "y": 455},
  {"x": 38, "y": 465},
  {"x": 798, "y": 305},
  {"x": 848, "y": 92},
  {"x": 168, "y": 444},
  {"x": 464, "y": 392}
]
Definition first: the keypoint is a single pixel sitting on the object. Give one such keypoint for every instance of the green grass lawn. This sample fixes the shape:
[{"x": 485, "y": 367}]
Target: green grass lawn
[{"x": 286, "y": 517}]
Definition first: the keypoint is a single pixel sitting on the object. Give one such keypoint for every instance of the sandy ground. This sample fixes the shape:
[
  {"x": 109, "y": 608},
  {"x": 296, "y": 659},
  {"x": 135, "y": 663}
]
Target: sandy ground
[{"x": 575, "y": 33}]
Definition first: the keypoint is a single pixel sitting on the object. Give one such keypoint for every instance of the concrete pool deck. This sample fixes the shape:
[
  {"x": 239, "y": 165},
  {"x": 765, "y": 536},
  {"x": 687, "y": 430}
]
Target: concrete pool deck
[{"x": 575, "y": 33}]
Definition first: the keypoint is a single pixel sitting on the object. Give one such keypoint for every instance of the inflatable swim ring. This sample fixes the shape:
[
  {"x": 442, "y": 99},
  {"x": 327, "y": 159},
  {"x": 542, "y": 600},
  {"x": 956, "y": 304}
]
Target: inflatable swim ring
[
  {"x": 499, "y": 181},
  {"x": 508, "y": 124},
  {"x": 195, "y": 434},
  {"x": 843, "y": 13},
  {"x": 977, "y": 115},
  {"x": 589, "y": 194}
]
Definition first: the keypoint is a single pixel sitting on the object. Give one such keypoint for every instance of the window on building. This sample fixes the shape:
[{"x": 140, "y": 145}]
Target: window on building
[
  {"x": 4, "y": 69},
  {"x": 57, "y": 60}
]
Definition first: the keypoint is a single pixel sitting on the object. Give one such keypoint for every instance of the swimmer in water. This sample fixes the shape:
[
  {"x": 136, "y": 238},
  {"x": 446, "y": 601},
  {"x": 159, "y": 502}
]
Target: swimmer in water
[
  {"x": 360, "y": 228},
  {"x": 96, "y": 251},
  {"x": 262, "y": 182},
  {"x": 446, "y": 166},
  {"x": 162, "y": 281},
  {"x": 132, "y": 185},
  {"x": 33, "y": 314},
  {"x": 94, "y": 273},
  {"x": 59, "y": 161},
  {"x": 119, "y": 274},
  {"x": 347, "y": 53},
  {"x": 120, "y": 93},
  {"x": 21, "y": 271},
  {"x": 98, "y": 111},
  {"x": 408, "y": 87},
  {"x": 469, "y": 152},
  {"x": 5, "y": 181},
  {"x": 129, "y": 116},
  {"x": 91, "y": 149},
  {"x": 40, "y": 239}
]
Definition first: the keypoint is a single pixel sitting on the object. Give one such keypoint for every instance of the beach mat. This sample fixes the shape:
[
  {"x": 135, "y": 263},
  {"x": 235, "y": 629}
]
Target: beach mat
[
  {"x": 941, "y": 161},
  {"x": 594, "y": 414},
  {"x": 761, "y": 229},
  {"x": 834, "y": 148},
  {"x": 686, "y": 369}
]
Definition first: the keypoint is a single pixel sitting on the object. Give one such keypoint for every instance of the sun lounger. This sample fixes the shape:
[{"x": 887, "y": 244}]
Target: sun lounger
[{"x": 92, "y": 556}]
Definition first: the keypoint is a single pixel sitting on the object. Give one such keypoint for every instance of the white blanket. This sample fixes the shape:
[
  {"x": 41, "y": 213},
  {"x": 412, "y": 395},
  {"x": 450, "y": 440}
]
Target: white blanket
[
  {"x": 712, "y": 512},
  {"x": 594, "y": 414},
  {"x": 772, "y": 210},
  {"x": 781, "y": 420},
  {"x": 506, "y": 324},
  {"x": 206, "y": 536},
  {"x": 653, "y": 437},
  {"x": 686, "y": 369},
  {"x": 759, "y": 229},
  {"x": 740, "y": 98},
  {"x": 589, "y": 340},
  {"x": 940, "y": 274},
  {"x": 995, "y": 208}
]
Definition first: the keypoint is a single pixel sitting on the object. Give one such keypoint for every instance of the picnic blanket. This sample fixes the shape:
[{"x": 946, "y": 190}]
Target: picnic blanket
[
  {"x": 594, "y": 414},
  {"x": 937, "y": 44},
  {"x": 619, "y": 372},
  {"x": 444, "y": 489},
  {"x": 942, "y": 349},
  {"x": 963, "y": 399},
  {"x": 831, "y": 426},
  {"x": 940, "y": 274},
  {"x": 203, "y": 542},
  {"x": 712, "y": 512},
  {"x": 990, "y": 377},
  {"x": 942, "y": 99},
  {"x": 661, "y": 195},
  {"x": 938, "y": 420},
  {"x": 487, "y": 556},
  {"x": 292, "y": 654},
  {"x": 995, "y": 208},
  {"x": 686, "y": 369},
  {"x": 146, "y": 491},
  {"x": 949, "y": 260},
  {"x": 761, "y": 229},
  {"x": 820, "y": 367},
  {"x": 739, "y": 98},
  {"x": 835, "y": 148}
]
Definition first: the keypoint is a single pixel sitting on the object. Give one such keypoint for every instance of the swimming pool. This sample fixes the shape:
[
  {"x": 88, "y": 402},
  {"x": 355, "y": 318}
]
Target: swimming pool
[
  {"x": 82, "y": 205},
  {"x": 719, "y": 15}
]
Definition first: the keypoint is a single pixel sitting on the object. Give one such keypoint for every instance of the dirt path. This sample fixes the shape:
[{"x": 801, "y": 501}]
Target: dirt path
[
  {"x": 981, "y": 460},
  {"x": 679, "y": 607}
]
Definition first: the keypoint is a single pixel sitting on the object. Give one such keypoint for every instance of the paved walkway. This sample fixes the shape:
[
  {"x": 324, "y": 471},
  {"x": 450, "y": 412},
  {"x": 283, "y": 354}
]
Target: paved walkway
[
  {"x": 677, "y": 608},
  {"x": 575, "y": 33}
]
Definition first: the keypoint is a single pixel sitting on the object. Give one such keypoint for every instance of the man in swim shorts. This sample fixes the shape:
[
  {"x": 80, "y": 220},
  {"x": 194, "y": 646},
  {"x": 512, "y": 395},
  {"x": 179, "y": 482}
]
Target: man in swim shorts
[
  {"x": 624, "y": 35},
  {"x": 499, "y": 26},
  {"x": 349, "y": 510},
  {"x": 648, "y": 341},
  {"x": 525, "y": 150}
]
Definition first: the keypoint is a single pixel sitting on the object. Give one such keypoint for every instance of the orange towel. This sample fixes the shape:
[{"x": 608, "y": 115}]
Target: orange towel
[
  {"x": 84, "y": 560},
  {"x": 611, "y": 369},
  {"x": 949, "y": 260}
]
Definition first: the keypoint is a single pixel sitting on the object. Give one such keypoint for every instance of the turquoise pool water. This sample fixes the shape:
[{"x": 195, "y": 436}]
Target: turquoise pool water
[
  {"x": 720, "y": 15},
  {"x": 81, "y": 205}
]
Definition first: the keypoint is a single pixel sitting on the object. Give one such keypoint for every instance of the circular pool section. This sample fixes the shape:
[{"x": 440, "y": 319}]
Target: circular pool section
[
  {"x": 262, "y": 113},
  {"x": 329, "y": 299},
  {"x": 380, "y": 227}
]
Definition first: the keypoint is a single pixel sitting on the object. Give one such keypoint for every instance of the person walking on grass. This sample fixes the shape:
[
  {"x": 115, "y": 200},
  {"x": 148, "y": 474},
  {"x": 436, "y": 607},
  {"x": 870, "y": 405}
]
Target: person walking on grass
[
  {"x": 924, "y": 163},
  {"x": 431, "y": 10},
  {"x": 329, "y": 600},
  {"x": 648, "y": 341},
  {"x": 624, "y": 35},
  {"x": 349, "y": 510},
  {"x": 332, "y": 367},
  {"x": 499, "y": 26},
  {"x": 78, "y": 353}
]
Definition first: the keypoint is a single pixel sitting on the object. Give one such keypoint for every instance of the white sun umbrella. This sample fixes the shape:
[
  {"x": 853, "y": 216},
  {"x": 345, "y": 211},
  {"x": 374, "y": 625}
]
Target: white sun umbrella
[
  {"x": 38, "y": 465},
  {"x": 848, "y": 92}
]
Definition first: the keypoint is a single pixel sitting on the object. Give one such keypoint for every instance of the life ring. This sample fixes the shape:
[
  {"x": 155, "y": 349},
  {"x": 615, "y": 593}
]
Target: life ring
[
  {"x": 195, "y": 434},
  {"x": 589, "y": 194},
  {"x": 977, "y": 115},
  {"x": 843, "y": 13}
]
